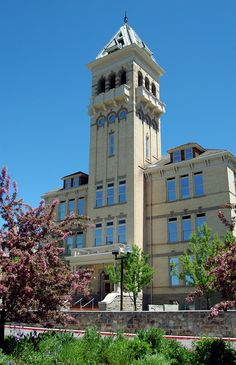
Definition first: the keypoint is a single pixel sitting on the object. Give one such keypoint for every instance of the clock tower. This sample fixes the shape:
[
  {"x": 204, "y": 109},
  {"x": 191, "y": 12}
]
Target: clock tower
[{"x": 125, "y": 110}]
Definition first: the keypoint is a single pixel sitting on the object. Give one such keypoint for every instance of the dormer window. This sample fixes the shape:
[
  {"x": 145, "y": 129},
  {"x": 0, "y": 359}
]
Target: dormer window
[
  {"x": 188, "y": 153},
  {"x": 75, "y": 182},
  {"x": 67, "y": 184},
  {"x": 177, "y": 156}
]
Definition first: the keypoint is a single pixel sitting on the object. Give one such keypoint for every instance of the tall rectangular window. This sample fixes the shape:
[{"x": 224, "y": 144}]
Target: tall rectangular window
[
  {"x": 198, "y": 184},
  {"x": 200, "y": 220},
  {"x": 121, "y": 231},
  {"x": 188, "y": 153},
  {"x": 110, "y": 194},
  {"x": 122, "y": 191},
  {"x": 109, "y": 233},
  {"x": 67, "y": 184},
  {"x": 62, "y": 211},
  {"x": 174, "y": 269},
  {"x": 147, "y": 148},
  {"x": 111, "y": 144},
  {"x": 98, "y": 235},
  {"x": 71, "y": 206},
  {"x": 76, "y": 182},
  {"x": 177, "y": 156},
  {"x": 171, "y": 193},
  {"x": 99, "y": 196},
  {"x": 172, "y": 230},
  {"x": 79, "y": 240},
  {"x": 81, "y": 206},
  {"x": 184, "y": 187},
  {"x": 69, "y": 245},
  {"x": 186, "y": 228}
]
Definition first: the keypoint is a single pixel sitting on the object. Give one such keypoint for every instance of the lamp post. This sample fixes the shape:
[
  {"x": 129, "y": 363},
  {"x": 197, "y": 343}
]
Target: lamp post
[{"x": 123, "y": 255}]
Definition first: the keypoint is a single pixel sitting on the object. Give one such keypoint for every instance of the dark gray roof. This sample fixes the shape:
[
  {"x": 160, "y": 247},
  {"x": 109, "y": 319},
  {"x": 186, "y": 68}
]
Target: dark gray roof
[{"x": 75, "y": 173}]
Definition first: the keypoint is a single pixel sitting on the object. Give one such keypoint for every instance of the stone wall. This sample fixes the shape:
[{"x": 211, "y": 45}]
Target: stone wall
[{"x": 182, "y": 323}]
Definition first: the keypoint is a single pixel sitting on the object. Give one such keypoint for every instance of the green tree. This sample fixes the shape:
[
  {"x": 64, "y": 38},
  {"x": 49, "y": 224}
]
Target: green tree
[
  {"x": 194, "y": 269},
  {"x": 137, "y": 273}
]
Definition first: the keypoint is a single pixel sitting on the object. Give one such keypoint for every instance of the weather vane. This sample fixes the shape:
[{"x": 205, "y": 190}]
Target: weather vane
[{"x": 125, "y": 18}]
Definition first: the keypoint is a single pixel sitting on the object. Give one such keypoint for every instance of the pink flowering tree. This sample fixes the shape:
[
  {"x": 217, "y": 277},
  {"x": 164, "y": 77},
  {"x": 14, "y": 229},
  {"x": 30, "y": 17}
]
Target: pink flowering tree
[
  {"x": 222, "y": 268},
  {"x": 35, "y": 282}
]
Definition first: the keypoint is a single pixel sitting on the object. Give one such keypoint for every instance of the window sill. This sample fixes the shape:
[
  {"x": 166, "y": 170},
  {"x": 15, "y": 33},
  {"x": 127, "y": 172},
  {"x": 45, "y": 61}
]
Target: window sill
[{"x": 110, "y": 205}]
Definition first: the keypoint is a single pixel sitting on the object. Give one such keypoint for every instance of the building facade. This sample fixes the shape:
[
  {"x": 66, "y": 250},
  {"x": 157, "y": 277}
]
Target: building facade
[{"x": 132, "y": 194}]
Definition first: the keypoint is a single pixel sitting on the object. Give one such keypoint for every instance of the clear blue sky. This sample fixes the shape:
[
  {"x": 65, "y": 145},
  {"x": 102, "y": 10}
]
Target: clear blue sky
[{"x": 45, "y": 85}]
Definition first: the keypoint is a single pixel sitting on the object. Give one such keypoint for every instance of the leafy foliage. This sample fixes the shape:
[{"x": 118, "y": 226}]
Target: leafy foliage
[
  {"x": 92, "y": 349},
  {"x": 35, "y": 283},
  {"x": 221, "y": 268},
  {"x": 202, "y": 247},
  {"x": 214, "y": 352},
  {"x": 137, "y": 273}
]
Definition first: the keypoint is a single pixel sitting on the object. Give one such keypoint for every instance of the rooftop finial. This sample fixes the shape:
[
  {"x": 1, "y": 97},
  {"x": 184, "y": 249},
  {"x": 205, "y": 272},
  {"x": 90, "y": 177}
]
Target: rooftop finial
[{"x": 125, "y": 18}]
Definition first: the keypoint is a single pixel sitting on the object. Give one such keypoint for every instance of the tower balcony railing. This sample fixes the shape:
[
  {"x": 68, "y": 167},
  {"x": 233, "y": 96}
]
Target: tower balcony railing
[
  {"x": 146, "y": 97},
  {"x": 110, "y": 98},
  {"x": 95, "y": 249}
]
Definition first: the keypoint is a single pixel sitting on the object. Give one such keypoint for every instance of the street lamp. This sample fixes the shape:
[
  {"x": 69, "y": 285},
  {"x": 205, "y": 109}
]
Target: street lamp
[{"x": 123, "y": 256}]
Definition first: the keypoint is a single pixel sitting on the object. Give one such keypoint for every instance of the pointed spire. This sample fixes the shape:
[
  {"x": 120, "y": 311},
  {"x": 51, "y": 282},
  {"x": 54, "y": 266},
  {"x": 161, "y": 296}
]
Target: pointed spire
[{"x": 125, "y": 18}]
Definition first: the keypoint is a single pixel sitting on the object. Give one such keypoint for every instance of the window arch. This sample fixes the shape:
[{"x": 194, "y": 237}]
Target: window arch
[
  {"x": 112, "y": 81},
  {"x": 122, "y": 114},
  {"x": 147, "y": 120},
  {"x": 147, "y": 83},
  {"x": 111, "y": 118},
  {"x": 154, "y": 90},
  {"x": 140, "y": 114},
  {"x": 140, "y": 78},
  {"x": 101, "y": 85},
  {"x": 123, "y": 77}
]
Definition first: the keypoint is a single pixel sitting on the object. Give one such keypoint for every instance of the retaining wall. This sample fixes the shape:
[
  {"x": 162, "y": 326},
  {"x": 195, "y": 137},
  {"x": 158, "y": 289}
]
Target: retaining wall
[{"x": 181, "y": 323}]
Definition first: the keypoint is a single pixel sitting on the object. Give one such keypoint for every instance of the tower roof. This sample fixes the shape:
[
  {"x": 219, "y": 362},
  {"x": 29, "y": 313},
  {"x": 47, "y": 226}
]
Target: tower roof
[{"x": 124, "y": 37}]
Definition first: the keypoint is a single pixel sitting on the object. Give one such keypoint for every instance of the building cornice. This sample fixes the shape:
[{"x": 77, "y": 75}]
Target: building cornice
[
  {"x": 128, "y": 50},
  {"x": 224, "y": 155}
]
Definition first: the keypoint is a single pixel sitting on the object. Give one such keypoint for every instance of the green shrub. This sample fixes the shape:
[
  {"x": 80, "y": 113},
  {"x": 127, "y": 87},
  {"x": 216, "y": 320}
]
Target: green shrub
[
  {"x": 6, "y": 359},
  {"x": 153, "y": 336},
  {"x": 214, "y": 352},
  {"x": 138, "y": 348},
  {"x": 175, "y": 352},
  {"x": 156, "y": 359},
  {"x": 116, "y": 351}
]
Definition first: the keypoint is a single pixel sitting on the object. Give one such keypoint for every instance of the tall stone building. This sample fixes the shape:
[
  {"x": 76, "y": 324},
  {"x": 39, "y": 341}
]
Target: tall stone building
[{"x": 132, "y": 193}]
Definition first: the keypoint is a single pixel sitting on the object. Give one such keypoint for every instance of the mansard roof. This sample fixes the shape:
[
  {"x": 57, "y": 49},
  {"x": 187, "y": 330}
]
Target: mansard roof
[{"x": 125, "y": 36}]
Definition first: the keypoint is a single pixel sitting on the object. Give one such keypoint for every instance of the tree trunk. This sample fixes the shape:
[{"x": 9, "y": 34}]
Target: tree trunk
[
  {"x": 135, "y": 302},
  {"x": 2, "y": 328},
  {"x": 208, "y": 302}
]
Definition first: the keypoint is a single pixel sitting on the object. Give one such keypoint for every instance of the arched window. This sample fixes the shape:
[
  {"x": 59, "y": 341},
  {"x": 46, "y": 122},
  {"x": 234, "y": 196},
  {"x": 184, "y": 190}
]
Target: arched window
[
  {"x": 112, "y": 81},
  {"x": 140, "y": 78},
  {"x": 102, "y": 85},
  {"x": 154, "y": 90},
  {"x": 122, "y": 77},
  {"x": 147, "y": 83},
  {"x": 122, "y": 114}
]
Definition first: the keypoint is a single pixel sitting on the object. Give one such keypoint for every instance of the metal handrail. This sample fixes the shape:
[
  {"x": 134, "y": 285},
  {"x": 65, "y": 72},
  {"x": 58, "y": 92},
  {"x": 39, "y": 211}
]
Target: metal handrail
[
  {"x": 90, "y": 301},
  {"x": 80, "y": 302}
]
